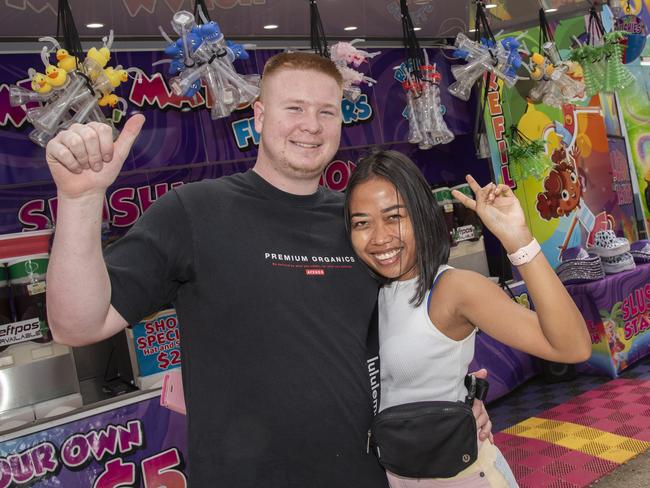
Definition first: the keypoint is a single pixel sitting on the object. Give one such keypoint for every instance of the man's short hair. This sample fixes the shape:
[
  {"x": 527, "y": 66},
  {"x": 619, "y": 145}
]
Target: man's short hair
[{"x": 301, "y": 61}]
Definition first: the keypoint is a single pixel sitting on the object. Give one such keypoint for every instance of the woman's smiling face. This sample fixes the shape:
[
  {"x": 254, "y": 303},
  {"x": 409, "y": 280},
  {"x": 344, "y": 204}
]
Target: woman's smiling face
[{"x": 381, "y": 230}]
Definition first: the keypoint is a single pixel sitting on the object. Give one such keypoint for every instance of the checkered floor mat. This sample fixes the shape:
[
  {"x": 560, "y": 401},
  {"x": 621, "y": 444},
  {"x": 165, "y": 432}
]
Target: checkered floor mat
[
  {"x": 540, "y": 464},
  {"x": 573, "y": 433}
]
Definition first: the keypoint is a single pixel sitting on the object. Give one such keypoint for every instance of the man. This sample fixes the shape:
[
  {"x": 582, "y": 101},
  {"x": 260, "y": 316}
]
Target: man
[{"x": 273, "y": 304}]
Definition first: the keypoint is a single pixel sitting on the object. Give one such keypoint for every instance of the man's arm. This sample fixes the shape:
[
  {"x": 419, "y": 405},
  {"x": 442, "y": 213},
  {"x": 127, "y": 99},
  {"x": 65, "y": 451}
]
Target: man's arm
[{"x": 84, "y": 162}]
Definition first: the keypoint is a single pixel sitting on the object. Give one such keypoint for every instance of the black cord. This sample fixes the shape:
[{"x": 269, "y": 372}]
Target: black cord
[
  {"x": 595, "y": 25},
  {"x": 545, "y": 32},
  {"x": 483, "y": 30},
  {"x": 317, "y": 32},
  {"x": 66, "y": 31},
  {"x": 89, "y": 83},
  {"x": 201, "y": 4},
  {"x": 414, "y": 55}
]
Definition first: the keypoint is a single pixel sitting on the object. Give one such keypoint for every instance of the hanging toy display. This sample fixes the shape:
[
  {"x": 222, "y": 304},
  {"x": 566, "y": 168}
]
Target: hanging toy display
[
  {"x": 602, "y": 66},
  {"x": 502, "y": 59},
  {"x": 636, "y": 34},
  {"x": 345, "y": 54},
  {"x": 484, "y": 54},
  {"x": 427, "y": 126},
  {"x": 540, "y": 70},
  {"x": 201, "y": 55},
  {"x": 601, "y": 58},
  {"x": 555, "y": 84},
  {"x": 617, "y": 76},
  {"x": 69, "y": 92},
  {"x": 526, "y": 158},
  {"x": 593, "y": 68}
]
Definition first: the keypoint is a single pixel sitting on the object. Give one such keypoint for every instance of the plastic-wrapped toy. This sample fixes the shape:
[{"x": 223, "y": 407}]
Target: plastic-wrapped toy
[
  {"x": 617, "y": 76},
  {"x": 70, "y": 92},
  {"x": 591, "y": 60},
  {"x": 511, "y": 45},
  {"x": 344, "y": 54},
  {"x": 201, "y": 55},
  {"x": 554, "y": 86},
  {"x": 502, "y": 60},
  {"x": 602, "y": 65},
  {"x": 468, "y": 74},
  {"x": 427, "y": 126}
]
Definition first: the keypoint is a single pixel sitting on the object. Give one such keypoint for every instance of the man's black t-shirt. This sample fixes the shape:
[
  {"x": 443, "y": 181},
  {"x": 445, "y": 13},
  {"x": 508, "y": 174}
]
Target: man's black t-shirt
[{"x": 274, "y": 309}]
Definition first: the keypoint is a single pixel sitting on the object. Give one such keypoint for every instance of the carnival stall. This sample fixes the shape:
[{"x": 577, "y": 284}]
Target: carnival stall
[{"x": 457, "y": 100}]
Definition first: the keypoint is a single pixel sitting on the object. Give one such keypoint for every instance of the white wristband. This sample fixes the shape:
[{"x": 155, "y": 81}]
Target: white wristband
[{"x": 525, "y": 254}]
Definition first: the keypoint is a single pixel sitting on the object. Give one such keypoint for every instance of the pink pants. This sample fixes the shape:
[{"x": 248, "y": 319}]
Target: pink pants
[{"x": 490, "y": 470}]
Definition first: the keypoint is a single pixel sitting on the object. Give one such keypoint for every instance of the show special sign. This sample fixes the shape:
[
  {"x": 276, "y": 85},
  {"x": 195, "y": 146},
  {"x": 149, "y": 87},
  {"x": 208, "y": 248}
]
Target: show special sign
[
  {"x": 141, "y": 444},
  {"x": 157, "y": 343}
]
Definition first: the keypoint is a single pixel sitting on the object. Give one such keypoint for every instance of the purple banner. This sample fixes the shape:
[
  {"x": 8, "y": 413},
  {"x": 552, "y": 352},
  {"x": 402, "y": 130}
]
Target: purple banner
[
  {"x": 617, "y": 312},
  {"x": 142, "y": 444},
  {"x": 179, "y": 142}
]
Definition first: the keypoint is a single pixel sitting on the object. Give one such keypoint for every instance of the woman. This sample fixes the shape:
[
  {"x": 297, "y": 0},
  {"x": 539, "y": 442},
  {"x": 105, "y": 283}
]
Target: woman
[{"x": 429, "y": 312}]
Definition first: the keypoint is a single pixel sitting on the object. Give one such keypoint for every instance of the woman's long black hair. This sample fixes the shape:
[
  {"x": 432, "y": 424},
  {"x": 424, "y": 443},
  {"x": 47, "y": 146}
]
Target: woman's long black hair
[{"x": 429, "y": 228}]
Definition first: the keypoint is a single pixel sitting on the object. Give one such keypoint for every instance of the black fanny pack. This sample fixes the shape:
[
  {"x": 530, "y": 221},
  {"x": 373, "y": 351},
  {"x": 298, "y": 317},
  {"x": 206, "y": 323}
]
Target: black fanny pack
[{"x": 432, "y": 439}]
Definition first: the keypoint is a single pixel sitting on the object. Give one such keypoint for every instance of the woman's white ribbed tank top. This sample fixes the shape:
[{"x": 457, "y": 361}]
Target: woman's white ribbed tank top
[{"x": 418, "y": 362}]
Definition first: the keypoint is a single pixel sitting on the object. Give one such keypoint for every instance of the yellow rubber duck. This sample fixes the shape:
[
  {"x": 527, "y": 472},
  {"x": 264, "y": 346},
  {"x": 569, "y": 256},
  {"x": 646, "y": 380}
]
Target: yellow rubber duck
[
  {"x": 100, "y": 56},
  {"x": 56, "y": 77},
  {"x": 109, "y": 100},
  {"x": 65, "y": 60},
  {"x": 538, "y": 63},
  {"x": 116, "y": 76},
  {"x": 40, "y": 84}
]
